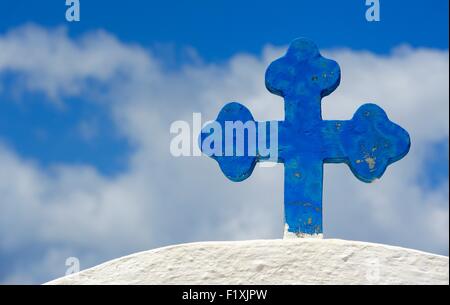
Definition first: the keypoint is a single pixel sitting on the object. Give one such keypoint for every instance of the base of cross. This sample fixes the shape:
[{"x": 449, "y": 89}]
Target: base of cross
[{"x": 292, "y": 235}]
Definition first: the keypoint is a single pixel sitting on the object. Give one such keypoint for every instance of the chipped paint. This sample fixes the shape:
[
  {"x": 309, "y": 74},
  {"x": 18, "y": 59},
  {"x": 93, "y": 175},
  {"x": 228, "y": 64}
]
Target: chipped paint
[
  {"x": 294, "y": 235},
  {"x": 370, "y": 162}
]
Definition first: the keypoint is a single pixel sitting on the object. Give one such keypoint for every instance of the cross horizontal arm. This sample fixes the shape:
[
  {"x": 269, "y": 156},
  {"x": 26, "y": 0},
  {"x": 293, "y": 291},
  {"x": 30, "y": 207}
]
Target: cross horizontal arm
[
  {"x": 368, "y": 143},
  {"x": 237, "y": 142}
]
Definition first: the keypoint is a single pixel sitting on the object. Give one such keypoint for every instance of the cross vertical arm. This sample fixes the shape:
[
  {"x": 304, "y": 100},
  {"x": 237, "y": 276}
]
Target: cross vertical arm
[{"x": 303, "y": 197}]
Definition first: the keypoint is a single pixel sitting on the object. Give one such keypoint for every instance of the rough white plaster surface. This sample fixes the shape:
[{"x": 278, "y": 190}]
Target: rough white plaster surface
[{"x": 297, "y": 261}]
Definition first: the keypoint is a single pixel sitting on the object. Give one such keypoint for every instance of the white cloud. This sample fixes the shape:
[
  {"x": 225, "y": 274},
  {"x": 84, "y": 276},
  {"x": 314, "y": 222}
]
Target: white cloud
[{"x": 68, "y": 210}]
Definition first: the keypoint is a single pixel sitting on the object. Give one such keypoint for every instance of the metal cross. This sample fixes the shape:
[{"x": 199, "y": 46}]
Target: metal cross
[{"x": 367, "y": 143}]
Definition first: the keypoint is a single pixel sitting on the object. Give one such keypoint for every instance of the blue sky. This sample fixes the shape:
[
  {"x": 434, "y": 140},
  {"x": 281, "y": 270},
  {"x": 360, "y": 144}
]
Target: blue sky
[
  {"x": 81, "y": 137},
  {"x": 216, "y": 30},
  {"x": 219, "y": 29}
]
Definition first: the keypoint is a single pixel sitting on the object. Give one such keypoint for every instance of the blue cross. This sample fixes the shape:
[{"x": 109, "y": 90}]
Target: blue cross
[{"x": 367, "y": 143}]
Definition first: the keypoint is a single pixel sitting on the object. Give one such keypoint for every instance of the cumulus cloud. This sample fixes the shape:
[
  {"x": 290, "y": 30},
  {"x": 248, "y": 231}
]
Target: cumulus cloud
[{"x": 66, "y": 210}]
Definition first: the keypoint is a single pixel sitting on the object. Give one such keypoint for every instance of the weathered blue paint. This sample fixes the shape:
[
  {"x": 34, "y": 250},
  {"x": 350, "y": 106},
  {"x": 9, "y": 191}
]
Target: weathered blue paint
[{"x": 368, "y": 143}]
